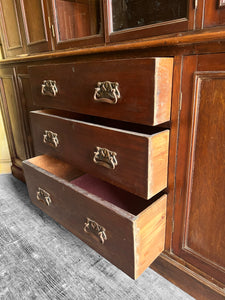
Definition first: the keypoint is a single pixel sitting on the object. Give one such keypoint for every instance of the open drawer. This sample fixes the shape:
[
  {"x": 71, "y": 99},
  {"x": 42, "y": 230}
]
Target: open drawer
[
  {"x": 131, "y": 160},
  {"x": 127, "y": 230},
  {"x": 135, "y": 90}
]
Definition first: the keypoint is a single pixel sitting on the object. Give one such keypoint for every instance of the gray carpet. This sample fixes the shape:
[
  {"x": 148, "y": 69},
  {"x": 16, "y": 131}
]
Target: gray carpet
[{"x": 41, "y": 260}]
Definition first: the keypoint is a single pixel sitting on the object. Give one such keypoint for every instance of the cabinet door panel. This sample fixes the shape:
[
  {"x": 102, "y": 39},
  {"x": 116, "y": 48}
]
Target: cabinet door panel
[
  {"x": 13, "y": 120},
  {"x": 35, "y": 26},
  {"x": 199, "y": 227},
  {"x": 206, "y": 226},
  {"x": 76, "y": 22},
  {"x": 214, "y": 13},
  {"x": 11, "y": 32},
  {"x": 14, "y": 117}
]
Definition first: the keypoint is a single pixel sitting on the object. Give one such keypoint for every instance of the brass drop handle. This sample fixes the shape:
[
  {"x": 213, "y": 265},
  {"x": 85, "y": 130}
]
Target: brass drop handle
[
  {"x": 49, "y": 88},
  {"x": 107, "y": 92},
  {"x": 51, "y": 138},
  {"x": 90, "y": 226},
  {"x": 43, "y": 196},
  {"x": 105, "y": 158}
]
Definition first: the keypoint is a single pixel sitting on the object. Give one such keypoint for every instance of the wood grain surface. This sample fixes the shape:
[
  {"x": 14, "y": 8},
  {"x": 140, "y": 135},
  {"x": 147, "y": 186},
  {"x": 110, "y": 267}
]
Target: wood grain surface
[
  {"x": 72, "y": 205},
  {"x": 142, "y": 159},
  {"x": 144, "y": 84}
]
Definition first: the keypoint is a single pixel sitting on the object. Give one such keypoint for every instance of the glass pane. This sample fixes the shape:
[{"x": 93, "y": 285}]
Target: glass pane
[
  {"x": 77, "y": 18},
  {"x": 135, "y": 13}
]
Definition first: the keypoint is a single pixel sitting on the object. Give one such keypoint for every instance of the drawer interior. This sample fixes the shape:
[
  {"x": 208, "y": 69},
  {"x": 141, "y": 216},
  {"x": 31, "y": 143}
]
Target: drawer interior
[
  {"x": 107, "y": 193},
  {"x": 126, "y": 229},
  {"x": 122, "y": 125}
]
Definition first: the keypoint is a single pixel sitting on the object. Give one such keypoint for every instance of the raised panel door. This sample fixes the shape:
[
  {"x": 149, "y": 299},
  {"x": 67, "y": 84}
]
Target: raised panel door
[
  {"x": 199, "y": 226},
  {"x": 76, "y": 23},
  {"x": 11, "y": 28},
  {"x": 34, "y": 14},
  {"x": 13, "y": 120},
  {"x": 214, "y": 13}
]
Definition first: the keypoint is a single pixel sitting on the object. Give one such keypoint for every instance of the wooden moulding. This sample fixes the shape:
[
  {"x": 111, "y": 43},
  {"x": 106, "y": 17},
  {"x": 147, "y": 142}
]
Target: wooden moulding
[
  {"x": 134, "y": 227},
  {"x": 172, "y": 40}
]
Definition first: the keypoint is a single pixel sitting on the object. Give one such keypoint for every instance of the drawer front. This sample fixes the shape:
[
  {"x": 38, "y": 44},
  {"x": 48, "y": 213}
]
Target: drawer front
[
  {"x": 134, "y": 162},
  {"x": 112, "y": 232},
  {"x": 133, "y": 90}
]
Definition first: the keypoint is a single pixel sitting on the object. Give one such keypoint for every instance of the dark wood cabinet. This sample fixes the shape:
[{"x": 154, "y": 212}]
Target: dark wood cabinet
[
  {"x": 24, "y": 27},
  {"x": 114, "y": 75}
]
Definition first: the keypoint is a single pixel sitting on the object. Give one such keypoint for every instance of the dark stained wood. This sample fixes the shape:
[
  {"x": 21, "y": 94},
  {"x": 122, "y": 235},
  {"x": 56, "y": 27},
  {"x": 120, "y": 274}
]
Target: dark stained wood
[
  {"x": 188, "y": 280},
  {"x": 34, "y": 16},
  {"x": 199, "y": 16},
  {"x": 144, "y": 85},
  {"x": 142, "y": 159},
  {"x": 13, "y": 118},
  {"x": 18, "y": 173},
  {"x": 11, "y": 29},
  {"x": 171, "y": 44},
  {"x": 214, "y": 14},
  {"x": 194, "y": 256},
  {"x": 174, "y": 130},
  {"x": 199, "y": 212},
  {"x": 178, "y": 25},
  {"x": 73, "y": 23},
  {"x": 71, "y": 206},
  {"x": 23, "y": 87}
]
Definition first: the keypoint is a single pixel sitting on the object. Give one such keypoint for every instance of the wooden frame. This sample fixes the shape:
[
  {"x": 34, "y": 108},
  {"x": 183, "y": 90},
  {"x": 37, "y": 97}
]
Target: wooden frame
[
  {"x": 38, "y": 45},
  {"x": 76, "y": 42},
  {"x": 173, "y": 26},
  {"x": 20, "y": 48}
]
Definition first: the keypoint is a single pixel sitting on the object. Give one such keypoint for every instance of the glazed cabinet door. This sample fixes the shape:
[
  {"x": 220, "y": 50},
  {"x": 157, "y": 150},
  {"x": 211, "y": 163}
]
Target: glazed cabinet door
[
  {"x": 76, "y": 23},
  {"x": 11, "y": 28},
  {"x": 34, "y": 16},
  {"x": 214, "y": 13},
  {"x": 199, "y": 226},
  {"x": 13, "y": 117},
  {"x": 130, "y": 19}
]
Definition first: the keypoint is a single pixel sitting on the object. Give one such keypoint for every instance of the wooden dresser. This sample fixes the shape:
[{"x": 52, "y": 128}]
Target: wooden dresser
[{"x": 114, "y": 113}]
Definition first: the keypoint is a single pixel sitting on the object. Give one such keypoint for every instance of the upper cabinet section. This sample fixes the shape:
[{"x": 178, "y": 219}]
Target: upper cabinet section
[
  {"x": 214, "y": 13},
  {"x": 11, "y": 28},
  {"x": 34, "y": 26},
  {"x": 33, "y": 16},
  {"x": 23, "y": 27},
  {"x": 76, "y": 23},
  {"x": 129, "y": 19}
]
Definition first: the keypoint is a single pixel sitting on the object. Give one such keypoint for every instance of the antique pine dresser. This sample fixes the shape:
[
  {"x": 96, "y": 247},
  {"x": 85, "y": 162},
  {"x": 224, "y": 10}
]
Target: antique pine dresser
[{"x": 114, "y": 112}]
